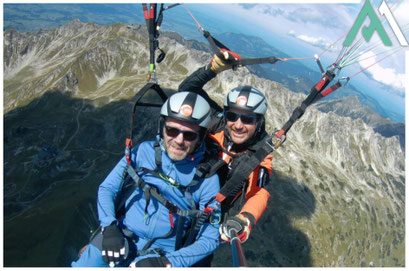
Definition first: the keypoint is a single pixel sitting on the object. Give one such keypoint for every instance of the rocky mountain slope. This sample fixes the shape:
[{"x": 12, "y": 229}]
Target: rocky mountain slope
[
  {"x": 350, "y": 107},
  {"x": 337, "y": 191}
]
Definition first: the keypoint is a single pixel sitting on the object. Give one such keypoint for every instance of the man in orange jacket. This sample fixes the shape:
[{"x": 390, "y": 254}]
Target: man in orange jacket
[{"x": 237, "y": 131}]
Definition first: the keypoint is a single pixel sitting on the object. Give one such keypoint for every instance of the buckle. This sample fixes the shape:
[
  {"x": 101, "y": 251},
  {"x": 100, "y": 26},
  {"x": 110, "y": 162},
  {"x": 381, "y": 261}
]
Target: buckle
[
  {"x": 159, "y": 251},
  {"x": 278, "y": 139}
]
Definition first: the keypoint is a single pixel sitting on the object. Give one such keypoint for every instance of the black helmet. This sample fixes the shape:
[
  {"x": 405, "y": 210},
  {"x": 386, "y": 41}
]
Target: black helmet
[
  {"x": 189, "y": 107},
  {"x": 248, "y": 98}
]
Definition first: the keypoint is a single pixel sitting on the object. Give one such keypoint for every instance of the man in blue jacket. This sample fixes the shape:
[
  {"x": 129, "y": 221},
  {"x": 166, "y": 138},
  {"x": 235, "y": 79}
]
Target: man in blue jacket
[{"x": 169, "y": 195}]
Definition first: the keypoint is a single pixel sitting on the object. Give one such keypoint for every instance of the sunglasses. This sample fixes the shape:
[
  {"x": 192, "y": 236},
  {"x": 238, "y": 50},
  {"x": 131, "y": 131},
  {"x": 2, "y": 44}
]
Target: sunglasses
[
  {"x": 245, "y": 118},
  {"x": 187, "y": 135}
]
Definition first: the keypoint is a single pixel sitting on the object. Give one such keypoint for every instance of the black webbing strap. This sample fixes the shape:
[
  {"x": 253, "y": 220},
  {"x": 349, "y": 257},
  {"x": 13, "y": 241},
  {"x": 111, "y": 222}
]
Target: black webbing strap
[
  {"x": 251, "y": 61},
  {"x": 153, "y": 191},
  {"x": 196, "y": 228},
  {"x": 150, "y": 17},
  {"x": 314, "y": 93},
  {"x": 249, "y": 162},
  {"x": 217, "y": 45},
  {"x": 138, "y": 97},
  {"x": 179, "y": 232},
  {"x": 144, "y": 90}
]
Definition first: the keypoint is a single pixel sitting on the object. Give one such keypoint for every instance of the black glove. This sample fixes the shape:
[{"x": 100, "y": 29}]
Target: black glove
[
  {"x": 153, "y": 262},
  {"x": 114, "y": 244}
]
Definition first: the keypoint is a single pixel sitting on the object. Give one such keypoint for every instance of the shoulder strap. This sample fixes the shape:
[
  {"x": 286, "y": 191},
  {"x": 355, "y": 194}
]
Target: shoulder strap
[{"x": 248, "y": 164}]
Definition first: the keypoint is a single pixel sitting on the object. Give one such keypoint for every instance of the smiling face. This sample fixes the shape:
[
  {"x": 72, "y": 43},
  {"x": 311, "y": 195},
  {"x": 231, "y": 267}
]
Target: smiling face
[
  {"x": 238, "y": 131},
  {"x": 177, "y": 147}
]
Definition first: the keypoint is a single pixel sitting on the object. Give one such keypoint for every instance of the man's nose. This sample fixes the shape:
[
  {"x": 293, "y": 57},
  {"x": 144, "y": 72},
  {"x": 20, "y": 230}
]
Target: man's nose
[
  {"x": 238, "y": 124},
  {"x": 179, "y": 139}
]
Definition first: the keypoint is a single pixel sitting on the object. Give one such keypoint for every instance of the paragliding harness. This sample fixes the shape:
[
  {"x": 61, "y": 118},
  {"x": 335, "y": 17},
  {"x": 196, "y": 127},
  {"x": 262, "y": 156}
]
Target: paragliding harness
[
  {"x": 134, "y": 181},
  {"x": 241, "y": 166}
]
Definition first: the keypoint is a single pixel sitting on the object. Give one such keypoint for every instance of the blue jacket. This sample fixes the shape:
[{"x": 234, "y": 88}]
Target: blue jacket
[{"x": 157, "y": 222}]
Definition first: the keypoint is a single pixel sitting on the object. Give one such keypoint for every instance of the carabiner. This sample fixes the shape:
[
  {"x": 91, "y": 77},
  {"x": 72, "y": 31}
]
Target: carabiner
[{"x": 346, "y": 78}]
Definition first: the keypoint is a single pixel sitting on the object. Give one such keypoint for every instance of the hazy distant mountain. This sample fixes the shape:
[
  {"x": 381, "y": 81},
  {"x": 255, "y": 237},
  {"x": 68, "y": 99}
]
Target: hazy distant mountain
[
  {"x": 351, "y": 107},
  {"x": 337, "y": 191}
]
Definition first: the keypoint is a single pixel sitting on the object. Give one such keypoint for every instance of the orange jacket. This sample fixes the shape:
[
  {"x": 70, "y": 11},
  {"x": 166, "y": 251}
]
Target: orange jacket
[{"x": 256, "y": 197}]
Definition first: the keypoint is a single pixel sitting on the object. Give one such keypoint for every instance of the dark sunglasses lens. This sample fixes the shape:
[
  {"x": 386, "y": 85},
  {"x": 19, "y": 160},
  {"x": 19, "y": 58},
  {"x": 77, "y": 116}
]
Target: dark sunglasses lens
[
  {"x": 189, "y": 136},
  {"x": 245, "y": 118},
  {"x": 248, "y": 119},
  {"x": 172, "y": 132},
  {"x": 231, "y": 116}
]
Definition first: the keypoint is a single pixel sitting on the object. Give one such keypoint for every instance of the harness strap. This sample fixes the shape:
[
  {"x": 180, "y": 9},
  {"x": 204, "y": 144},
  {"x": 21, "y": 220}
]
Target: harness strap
[
  {"x": 248, "y": 163},
  {"x": 173, "y": 209},
  {"x": 148, "y": 190},
  {"x": 138, "y": 97},
  {"x": 150, "y": 17},
  {"x": 204, "y": 216},
  {"x": 158, "y": 154},
  {"x": 145, "y": 252},
  {"x": 215, "y": 44},
  {"x": 300, "y": 110},
  {"x": 179, "y": 232},
  {"x": 202, "y": 171},
  {"x": 329, "y": 90},
  {"x": 150, "y": 242}
]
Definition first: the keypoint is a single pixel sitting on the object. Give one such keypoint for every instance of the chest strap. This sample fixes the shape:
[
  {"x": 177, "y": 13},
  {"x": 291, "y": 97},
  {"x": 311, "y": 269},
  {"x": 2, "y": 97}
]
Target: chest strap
[{"x": 247, "y": 164}]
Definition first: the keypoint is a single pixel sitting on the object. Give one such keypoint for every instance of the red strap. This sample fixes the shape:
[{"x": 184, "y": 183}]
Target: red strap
[
  {"x": 148, "y": 14},
  {"x": 243, "y": 236},
  {"x": 231, "y": 53},
  {"x": 220, "y": 197},
  {"x": 128, "y": 146},
  {"x": 128, "y": 142},
  {"x": 208, "y": 210},
  {"x": 145, "y": 11},
  {"x": 321, "y": 83},
  {"x": 171, "y": 220},
  {"x": 280, "y": 133},
  {"x": 330, "y": 90},
  {"x": 152, "y": 11}
]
